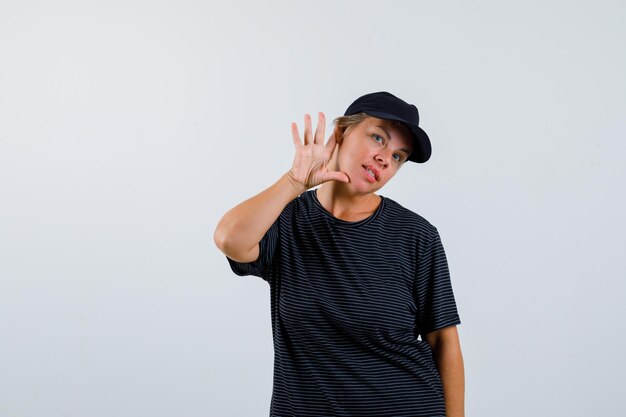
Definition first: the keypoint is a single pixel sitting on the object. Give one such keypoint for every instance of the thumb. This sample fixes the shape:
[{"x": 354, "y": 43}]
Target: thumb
[{"x": 337, "y": 176}]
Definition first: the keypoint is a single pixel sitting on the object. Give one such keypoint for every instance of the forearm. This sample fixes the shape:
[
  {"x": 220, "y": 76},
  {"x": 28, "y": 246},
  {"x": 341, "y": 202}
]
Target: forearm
[
  {"x": 449, "y": 361},
  {"x": 240, "y": 230}
]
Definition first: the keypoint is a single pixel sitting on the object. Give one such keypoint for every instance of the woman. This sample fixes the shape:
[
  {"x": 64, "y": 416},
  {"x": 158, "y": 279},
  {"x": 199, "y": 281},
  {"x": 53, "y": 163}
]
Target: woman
[{"x": 355, "y": 278}]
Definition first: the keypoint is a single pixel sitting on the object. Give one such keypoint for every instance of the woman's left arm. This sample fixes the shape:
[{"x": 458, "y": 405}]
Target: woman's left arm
[{"x": 449, "y": 361}]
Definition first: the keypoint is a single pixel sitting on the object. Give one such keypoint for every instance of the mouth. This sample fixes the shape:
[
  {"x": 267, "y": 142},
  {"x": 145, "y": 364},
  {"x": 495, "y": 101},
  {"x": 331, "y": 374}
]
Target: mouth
[{"x": 371, "y": 173}]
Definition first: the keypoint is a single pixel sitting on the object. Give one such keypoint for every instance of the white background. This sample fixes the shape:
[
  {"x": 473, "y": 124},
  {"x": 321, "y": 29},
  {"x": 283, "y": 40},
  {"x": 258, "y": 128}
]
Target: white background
[{"x": 127, "y": 128}]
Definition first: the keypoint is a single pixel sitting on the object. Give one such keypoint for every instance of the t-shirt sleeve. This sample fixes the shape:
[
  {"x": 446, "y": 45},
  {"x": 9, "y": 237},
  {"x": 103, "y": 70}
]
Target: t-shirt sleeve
[
  {"x": 260, "y": 267},
  {"x": 436, "y": 307}
]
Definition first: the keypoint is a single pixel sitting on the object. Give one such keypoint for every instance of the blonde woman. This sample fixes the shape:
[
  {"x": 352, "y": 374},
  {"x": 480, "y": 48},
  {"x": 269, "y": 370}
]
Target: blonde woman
[{"x": 363, "y": 313}]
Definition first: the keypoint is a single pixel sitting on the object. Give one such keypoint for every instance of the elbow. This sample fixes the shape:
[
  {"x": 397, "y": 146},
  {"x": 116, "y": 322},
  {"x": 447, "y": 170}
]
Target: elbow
[
  {"x": 235, "y": 243},
  {"x": 229, "y": 243},
  {"x": 221, "y": 238}
]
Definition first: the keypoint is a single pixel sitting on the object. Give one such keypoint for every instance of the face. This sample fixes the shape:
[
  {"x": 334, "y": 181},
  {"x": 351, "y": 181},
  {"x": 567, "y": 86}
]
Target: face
[{"x": 371, "y": 153}]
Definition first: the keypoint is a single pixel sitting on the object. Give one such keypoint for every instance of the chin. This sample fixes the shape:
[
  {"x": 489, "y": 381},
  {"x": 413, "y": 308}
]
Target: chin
[{"x": 367, "y": 188}]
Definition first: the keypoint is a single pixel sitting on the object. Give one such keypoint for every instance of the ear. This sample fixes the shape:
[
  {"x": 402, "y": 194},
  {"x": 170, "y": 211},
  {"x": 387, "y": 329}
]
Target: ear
[{"x": 338, "y": 133}]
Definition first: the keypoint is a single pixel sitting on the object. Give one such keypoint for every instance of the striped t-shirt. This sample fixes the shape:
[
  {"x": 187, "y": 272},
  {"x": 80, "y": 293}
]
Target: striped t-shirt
[{"x": 348, "y": 301}]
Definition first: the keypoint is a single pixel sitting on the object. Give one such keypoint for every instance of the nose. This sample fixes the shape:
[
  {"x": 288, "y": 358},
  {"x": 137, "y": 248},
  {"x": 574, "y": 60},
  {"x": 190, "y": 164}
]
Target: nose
[{"x": 382, "y": 159}]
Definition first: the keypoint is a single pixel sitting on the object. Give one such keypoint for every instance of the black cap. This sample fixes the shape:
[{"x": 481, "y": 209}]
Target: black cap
[{"x": 385, "y": 105}]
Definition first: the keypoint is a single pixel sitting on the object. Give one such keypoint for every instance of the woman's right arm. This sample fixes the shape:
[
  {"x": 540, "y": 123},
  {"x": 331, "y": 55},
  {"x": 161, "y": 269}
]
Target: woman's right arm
[{"x": 240, "y": 230}]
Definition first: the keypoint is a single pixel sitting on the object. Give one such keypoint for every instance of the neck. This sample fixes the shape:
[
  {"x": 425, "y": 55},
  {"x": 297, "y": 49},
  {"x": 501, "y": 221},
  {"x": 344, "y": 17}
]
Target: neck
[{"x": 342, "y": 204}]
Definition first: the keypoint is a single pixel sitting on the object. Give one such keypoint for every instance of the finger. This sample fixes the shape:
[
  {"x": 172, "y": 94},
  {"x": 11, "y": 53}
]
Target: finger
[
  {"x": 295, "y": 135},
  {"x": 307, "y": 129},
  {"x": 332, "y": 142},
  {"x": 320, "y": 130}
]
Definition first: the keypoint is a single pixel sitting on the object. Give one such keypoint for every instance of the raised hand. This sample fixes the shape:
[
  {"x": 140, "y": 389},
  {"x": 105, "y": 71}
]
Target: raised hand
[{"x": 310, "y": 163}]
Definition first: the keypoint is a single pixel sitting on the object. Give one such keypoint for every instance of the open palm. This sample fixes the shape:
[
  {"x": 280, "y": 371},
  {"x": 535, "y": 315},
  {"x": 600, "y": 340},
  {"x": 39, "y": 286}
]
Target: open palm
[{"x": 310, "y": 163}]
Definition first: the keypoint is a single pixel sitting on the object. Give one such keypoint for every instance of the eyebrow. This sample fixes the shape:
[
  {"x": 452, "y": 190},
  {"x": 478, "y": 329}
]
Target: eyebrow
[{"x": 389, "y": 138}]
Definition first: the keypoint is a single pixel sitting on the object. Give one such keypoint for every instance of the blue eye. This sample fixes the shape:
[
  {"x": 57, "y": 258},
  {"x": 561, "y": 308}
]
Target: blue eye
[
  {"x": 377, "y": 138},
  {"x": 396, "y": 157}
]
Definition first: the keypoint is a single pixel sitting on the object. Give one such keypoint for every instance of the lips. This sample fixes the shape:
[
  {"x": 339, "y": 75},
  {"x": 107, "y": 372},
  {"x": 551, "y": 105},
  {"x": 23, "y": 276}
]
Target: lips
[{"x": 371, "y": 173}]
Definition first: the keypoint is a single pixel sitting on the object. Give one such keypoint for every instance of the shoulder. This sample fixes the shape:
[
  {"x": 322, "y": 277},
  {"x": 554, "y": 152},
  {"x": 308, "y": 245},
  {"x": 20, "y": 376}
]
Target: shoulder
[
  {"x": 398, "y": 214},
  {"x": 301, "y": 202},
  {"x": 296, "y": 210}
]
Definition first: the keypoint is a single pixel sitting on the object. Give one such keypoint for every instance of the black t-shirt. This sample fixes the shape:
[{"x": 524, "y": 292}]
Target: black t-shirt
[{"x": 348, "y": 301}]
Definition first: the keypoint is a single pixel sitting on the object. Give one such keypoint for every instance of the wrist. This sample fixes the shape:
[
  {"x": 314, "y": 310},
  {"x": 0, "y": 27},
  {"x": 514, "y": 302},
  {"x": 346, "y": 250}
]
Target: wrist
[{"x": 295, "y": 185}]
